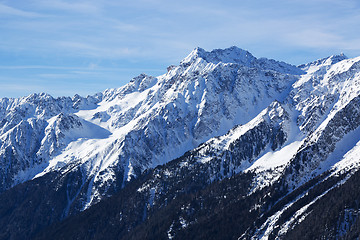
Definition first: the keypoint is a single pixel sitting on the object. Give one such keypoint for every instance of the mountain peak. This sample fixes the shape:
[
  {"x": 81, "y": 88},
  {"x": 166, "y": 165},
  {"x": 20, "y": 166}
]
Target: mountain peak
[
  {"x": 36, "y": 96},
  {"x": 325, "y": 61},
  {"x": 238, "y": 56},
  {"x": 228, "y": 55},
  {"x": 337, "y": 58}
]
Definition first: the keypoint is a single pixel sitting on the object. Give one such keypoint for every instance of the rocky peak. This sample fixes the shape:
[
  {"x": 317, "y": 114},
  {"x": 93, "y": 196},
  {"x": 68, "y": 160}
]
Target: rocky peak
[
  {"x": 324, "y": 61},
  {"x": 238, "y": 56},
  {"x": 228, "y": 55}
]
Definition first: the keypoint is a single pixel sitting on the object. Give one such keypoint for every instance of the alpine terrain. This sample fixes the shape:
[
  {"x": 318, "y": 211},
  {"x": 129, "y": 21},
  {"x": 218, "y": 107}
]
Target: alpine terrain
[{"x": 222, "y": 146}]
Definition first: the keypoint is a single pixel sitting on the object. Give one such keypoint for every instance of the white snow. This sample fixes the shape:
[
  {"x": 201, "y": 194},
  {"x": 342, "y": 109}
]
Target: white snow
[
  {"x": 272, "y": 160},
  {"x": 225, "y": 141},
  {"x": 169, "y": 232}
]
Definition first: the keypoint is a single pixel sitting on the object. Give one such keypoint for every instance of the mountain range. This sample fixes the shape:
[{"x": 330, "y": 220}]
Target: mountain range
[{"x": 222, "y": 146}]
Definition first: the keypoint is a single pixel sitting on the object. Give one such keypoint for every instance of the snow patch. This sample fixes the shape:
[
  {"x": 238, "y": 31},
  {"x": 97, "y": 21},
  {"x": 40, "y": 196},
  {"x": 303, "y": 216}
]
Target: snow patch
[{"x": 272, "y": 160}]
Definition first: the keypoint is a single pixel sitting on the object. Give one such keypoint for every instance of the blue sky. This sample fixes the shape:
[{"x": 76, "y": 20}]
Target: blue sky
[{"x": 67, "y": 47}]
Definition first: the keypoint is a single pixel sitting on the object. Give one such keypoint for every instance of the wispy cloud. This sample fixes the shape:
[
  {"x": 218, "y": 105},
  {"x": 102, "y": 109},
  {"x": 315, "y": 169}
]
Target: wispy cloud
[
  {"x": 91, "y": 68},
  {"x": 88, "y": 49},
  {"x": 38, "y": 67},
  {"x": 6, "y": 10},
  {"x": 86, "y": 7},
  {"x": 314, "y": 38}
]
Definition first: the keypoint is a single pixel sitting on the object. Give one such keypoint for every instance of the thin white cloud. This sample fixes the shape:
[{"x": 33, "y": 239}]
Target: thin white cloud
[
  {"x": 101, "y": 50},
  {"x": 11, "y": 11},
  {"x": 86, "y": 7},
  {"x": 90, "y": 69},
  {"x": 314, "y": 38},
  {"x": 37, "y": 67},
  {"x": 125, "y": 26},
  {"x": 56, "y": 75}
]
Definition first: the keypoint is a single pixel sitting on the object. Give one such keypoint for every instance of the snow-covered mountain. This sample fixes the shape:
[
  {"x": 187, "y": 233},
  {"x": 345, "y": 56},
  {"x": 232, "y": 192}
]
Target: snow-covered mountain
[
  {"x": 149, "y": 121},
  {"x": 289, "y": 131}
]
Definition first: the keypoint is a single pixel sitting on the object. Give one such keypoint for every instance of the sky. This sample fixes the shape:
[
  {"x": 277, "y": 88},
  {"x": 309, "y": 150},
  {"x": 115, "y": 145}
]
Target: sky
[{"x": 65, "y": 47}]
